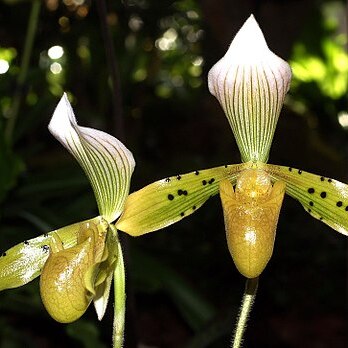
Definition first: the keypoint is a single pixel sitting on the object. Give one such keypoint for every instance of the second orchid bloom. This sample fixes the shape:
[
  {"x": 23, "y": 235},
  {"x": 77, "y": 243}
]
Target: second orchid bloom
[
  {"x": 250, "y": 82},
  {"x": 77, "y": 263}
]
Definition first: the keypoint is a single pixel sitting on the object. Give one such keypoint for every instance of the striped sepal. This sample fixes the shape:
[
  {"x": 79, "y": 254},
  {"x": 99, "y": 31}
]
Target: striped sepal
[{"x": 106, "y": 161}]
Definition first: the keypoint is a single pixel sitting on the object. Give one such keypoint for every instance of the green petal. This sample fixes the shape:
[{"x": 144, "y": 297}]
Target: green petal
[
  {"x": 167, "y": 201},
  {"x": 250, "y": 82},
  {"x": 323, "y": 198},
  {"x": 105, "y": 160},
  {"x": 23, "y": 262},
  {"x": 106, "y": 273}
]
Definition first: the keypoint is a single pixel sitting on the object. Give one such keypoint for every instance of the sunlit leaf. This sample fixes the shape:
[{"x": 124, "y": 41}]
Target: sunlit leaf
[
  {"x": 169, "y": 200},
  {"x": 106, "y": 161},
  {"x": 324, "y": 198},
  {"x": 24, "y": 262}
]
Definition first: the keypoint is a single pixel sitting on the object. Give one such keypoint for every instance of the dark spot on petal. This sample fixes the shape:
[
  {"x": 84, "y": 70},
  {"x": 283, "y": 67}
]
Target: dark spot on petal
[
  {"x": 178, "y": 177},
  {"x": 26, "y": 242},
  {"x": 3, "y": 254},
  {"x": 323, "y": 194},
  {"x": 299, "y": 171},
  {"x": 170, "y": 197},
  {"x": 290, "y": 169},
  {"x": 46, "y": 235},
  {"x": 45, "y": 248},
  {"x": 311, "y": 190},
  {"x": 204, "y": 182},
  {"x": 184, "y": 193},
  {"x": 167, "y": 180},
  {"x": 321, "y": 218},
  {"x": 180, "y": 192},
  {"x": 226, "y": 165},
  {"x": 196, "y": 172},
  {"x": 329, "y": 180},
  {"x": 182, "y": 214},
  {"x": 194, "y": 207},
  {"x": 339, "y": 204},
  {"x": 322, "y": 178},
  {"x": 309, "y": 210},
  {"x": 346, "y": 208},
  {"x": 311, "y": 203},
  {"x": 211, "y": 181}
]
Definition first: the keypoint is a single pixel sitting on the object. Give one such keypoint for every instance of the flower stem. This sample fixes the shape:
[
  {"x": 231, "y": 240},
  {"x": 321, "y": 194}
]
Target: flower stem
[
  {"x": 120, "y": 301},
  {"x": 28, "y": 47},
  {"x": 247, "y": 303}
]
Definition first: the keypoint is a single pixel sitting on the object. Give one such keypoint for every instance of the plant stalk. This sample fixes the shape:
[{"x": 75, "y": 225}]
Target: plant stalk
[
  {"x": 119, "y": 300},
  {"x": 22, "y": 76},
  {"x": 246, "y": 305},
  {"x": 116, "y": 93}
]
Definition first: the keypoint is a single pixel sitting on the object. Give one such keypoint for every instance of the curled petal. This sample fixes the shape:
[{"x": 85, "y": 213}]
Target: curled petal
[
  {"x": 105, "y": 160},
  {"x": 250, "y": 82},
  {"x": 106, "y": 273}
]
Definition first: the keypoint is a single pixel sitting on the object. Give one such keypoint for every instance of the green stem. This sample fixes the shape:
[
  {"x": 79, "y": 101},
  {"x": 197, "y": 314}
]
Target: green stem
[
  {"x": 114, "y": 72},
  {"x": 247, "y": 303},
  {"x": 120, "y": 301},
  {"x": 28, "y": 47}
]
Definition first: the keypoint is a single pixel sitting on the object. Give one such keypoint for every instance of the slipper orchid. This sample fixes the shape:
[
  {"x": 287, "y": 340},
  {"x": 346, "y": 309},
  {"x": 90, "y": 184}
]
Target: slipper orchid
[
  {"x": 250, "y": 82},
  {"x": 78, "y": 262}
]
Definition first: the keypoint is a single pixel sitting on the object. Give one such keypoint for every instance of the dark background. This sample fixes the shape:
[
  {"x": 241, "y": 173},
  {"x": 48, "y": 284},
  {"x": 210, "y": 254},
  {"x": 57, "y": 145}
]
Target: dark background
[{"x": 183, "y": 289}]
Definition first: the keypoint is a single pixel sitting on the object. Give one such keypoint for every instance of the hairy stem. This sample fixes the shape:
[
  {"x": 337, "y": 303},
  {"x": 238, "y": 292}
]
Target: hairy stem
[
  {"x": 247, "y": 303},
  {"x": 28, "y": 47},
  {"x": 120, "y": 301}
]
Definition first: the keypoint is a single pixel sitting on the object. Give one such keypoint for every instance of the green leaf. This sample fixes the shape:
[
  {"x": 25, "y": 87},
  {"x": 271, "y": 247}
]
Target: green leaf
[
  {"x": 169, "y": 200},
  {"x": 86, "y": 333},
  {"x": 24, "y": 262},
  {"x": 323, "y": 198},
  {"x": 155, "y": 275},
  {"x": 107, "y": 163},
  {"x": 11, "y": 167}
]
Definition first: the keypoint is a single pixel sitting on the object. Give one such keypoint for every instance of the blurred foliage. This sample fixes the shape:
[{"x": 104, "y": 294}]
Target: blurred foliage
[
  {"x": 320, "y": 70},
  {"x": 183, "y": 287}
]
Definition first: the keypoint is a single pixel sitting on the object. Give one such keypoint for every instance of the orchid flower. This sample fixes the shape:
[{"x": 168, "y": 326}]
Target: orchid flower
[
  {"x": 78, "y": 262},
  {"x": 250, "y": 82}
]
